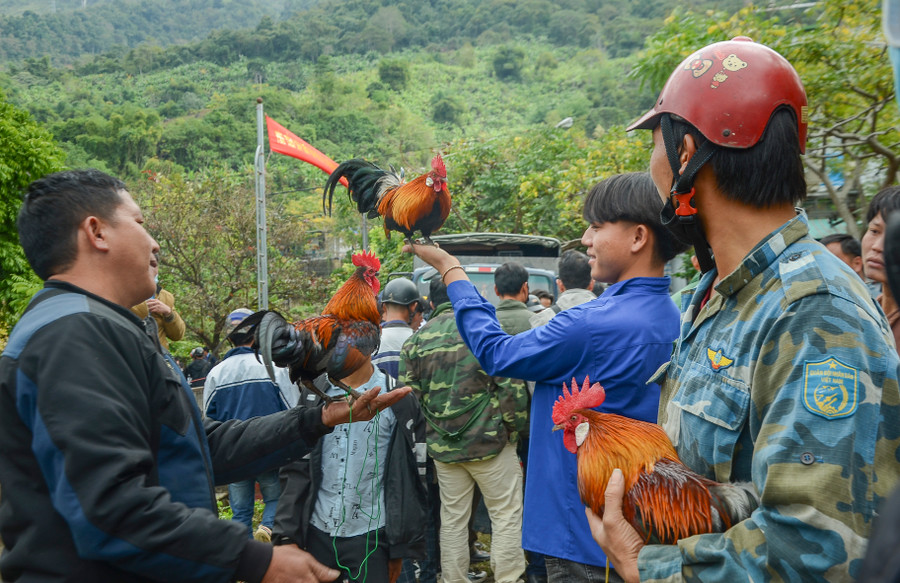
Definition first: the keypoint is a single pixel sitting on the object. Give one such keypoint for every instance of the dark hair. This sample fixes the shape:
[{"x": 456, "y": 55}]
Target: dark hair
[
  {"x": 574, "y": 270},
  {"x": 53, "y": 208},
  {"x": 542, "y": 293},
  {"x": 768, "y": 173},
  {"x": 885, "y": 202},
  {"x": 437, "y": 291},
  {"x": 849, "y": 245},
  {"x": 509, "y": 278},
  {"x": 632, "y": 197}
]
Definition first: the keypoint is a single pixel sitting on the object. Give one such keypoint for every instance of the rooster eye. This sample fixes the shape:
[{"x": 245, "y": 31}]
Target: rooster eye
[{"x": 573, "y": 418}]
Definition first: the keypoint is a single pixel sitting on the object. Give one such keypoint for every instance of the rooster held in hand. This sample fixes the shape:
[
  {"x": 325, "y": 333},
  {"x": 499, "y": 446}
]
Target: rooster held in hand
[
  {"x": 664, "y": 500},
  {"x": 338, "y": 342},
  {"x": 423, "y": 204}
]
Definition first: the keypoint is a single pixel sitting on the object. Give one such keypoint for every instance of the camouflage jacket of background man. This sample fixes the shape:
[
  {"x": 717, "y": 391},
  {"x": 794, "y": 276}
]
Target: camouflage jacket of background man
[
  {"x": 786, "y": 377},
  {"x": 470, "y": 415}
]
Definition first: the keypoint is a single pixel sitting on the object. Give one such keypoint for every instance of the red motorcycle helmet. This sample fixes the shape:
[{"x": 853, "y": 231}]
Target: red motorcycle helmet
[{"x": 728, "y": 91}]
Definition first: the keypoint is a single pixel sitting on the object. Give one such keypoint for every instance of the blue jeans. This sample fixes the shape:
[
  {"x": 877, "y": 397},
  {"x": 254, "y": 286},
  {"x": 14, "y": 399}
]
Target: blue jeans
[
  {"x": 564, "y": 571},
  {"x": 242, "y": 494}
]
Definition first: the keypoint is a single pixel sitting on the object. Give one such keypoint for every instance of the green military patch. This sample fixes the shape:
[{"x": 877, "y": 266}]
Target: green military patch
[{"x": 830, "y": 388}]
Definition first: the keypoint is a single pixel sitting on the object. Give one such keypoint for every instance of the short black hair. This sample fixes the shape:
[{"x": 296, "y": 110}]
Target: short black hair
[
  {"x": 52, "y": 209},
  {"x": 509, "y": 278},
  {"x": 574, "y": 270},
  {"x": 849, "y": 245},
  {"x": 632, "y": 197},
  {"x": 437, "y": 291},
  {"x": 885, "y": 202},
  {"x": 542, "y": 293},
  {"x": 768, "y": 173}
]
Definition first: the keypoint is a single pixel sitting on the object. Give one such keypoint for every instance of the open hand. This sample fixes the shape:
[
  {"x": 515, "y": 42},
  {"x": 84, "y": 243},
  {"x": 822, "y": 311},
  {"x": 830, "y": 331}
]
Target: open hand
[
  {"x": 618, "y": 539},
  {"x": 432, "y": 255},
  {"x": 364, "y": 408},
  {"x": 290, "y": 564}
]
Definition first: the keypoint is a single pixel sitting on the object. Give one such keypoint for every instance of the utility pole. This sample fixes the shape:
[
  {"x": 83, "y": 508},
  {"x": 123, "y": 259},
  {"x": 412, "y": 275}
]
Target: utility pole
[{"x": 262, "y": 268}]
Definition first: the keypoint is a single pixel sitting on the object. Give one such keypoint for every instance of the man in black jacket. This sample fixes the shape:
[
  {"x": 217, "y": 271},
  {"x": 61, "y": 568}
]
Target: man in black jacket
[{"x": 107, "y": 467}]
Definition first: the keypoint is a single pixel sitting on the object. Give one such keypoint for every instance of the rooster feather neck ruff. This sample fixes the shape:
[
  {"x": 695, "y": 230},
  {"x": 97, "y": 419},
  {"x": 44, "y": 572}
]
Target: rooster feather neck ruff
[
  {"x": 588, "y": 397},
  {"x": 366, "y": 259}
]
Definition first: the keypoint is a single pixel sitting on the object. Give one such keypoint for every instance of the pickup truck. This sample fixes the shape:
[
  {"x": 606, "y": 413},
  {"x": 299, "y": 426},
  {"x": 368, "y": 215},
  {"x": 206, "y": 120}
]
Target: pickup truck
[{"x": 482, "y": 253}]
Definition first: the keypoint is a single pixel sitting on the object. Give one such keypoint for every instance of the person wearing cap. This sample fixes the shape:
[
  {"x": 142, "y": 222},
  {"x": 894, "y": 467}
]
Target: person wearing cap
[
  {"x": 784, "y": 374},
  {"x": 239, "y": 387},
  {"x": 195, "y": 371},
  {"x": 400, "y": 302}
]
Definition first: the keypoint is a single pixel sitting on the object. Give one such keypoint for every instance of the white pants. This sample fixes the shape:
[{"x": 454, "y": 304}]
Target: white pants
[{"x": 500, "y": 482}]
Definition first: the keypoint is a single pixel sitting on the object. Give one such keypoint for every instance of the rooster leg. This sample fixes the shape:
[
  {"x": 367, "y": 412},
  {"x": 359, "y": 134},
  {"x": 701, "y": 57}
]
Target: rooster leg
[
  {"x": 354, "y": 394},
  {"x": 312, "y": 387}
]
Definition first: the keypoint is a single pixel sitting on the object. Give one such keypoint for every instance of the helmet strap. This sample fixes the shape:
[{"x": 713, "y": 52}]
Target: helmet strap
[{"x": 680, "y": 213}]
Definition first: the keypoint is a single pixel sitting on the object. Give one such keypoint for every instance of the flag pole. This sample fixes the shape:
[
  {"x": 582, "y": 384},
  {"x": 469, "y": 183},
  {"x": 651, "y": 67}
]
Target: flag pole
[{"x": 262, "y": 269}]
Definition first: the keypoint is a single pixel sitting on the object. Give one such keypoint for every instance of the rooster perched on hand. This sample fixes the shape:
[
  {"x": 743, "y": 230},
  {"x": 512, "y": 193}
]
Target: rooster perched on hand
[
  {"x": 422, "y": 204},
  {"x": 338, "y": 342},
  {"x": 664, "y": 500}
]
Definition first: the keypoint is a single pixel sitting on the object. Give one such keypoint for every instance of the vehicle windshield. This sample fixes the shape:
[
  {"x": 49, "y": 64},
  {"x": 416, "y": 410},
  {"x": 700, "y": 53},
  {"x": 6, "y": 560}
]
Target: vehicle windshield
[{"x": 484, "y": 283}]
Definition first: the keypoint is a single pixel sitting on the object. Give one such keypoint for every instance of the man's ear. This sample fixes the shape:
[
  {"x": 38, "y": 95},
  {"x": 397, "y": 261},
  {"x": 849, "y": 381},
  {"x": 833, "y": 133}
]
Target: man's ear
[
  {"x": 641, "y": 237},
  {"x": 687, "y": 151},
  {"x": 94, "y": 231}
]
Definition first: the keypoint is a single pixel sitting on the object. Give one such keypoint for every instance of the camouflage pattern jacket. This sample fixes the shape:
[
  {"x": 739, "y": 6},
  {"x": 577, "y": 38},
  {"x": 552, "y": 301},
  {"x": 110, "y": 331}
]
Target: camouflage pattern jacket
[
  {"x": 470, "y": 415},
  {"x": 787, "y": 377}
]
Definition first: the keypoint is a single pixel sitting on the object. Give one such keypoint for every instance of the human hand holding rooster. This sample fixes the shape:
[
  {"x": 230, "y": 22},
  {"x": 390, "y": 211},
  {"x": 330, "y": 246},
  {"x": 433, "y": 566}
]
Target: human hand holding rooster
[
  {"x": 618, "y": 539},
  {"x": 439, "y": 259}
]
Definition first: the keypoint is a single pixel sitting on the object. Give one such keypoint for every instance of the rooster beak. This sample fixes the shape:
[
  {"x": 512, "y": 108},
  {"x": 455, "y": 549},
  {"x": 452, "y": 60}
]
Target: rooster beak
[{"x": 558, "y": 427}]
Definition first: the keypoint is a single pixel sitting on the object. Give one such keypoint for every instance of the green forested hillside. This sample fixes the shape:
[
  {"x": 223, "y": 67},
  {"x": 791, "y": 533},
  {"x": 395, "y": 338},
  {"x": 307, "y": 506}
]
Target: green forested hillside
[
  {"x": 308, "y": 29},
  {"x": 485, "y": 83}
]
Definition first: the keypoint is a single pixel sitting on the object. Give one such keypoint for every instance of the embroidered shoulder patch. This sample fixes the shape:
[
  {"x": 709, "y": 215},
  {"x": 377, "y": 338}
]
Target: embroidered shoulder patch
[
  {"x": 717, "y": 360},
  {"x": 830, "y": 388}
]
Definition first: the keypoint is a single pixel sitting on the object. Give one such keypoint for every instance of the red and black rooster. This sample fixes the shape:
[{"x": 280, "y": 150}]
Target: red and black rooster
[
  {"x": 423, "y": 204},
  {"x": 664, "y": 500},
  {"x": 338, "y": 342}
]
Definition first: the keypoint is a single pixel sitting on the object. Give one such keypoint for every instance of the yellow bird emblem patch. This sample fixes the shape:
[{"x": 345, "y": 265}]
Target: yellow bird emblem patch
[{"x": 717, "y": 360}]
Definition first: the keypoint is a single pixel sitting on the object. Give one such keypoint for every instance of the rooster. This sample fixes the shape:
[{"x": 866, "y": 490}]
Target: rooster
[
  {"x": 664, "y": 500},
  {"x": 338, "y": 342},
  {"x": 422, "y": 204}
]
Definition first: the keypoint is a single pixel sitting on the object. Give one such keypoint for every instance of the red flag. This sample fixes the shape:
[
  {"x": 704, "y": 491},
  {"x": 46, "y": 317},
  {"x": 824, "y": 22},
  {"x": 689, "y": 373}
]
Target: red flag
[{"x": 284, "y": 142}]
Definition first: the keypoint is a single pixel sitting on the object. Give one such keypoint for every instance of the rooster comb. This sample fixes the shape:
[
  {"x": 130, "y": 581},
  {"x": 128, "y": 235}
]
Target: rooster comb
[
  {"x": 437, "y": 164},
  {"x": 588, "y": 397},
  {"x": 366, "y": 259}
]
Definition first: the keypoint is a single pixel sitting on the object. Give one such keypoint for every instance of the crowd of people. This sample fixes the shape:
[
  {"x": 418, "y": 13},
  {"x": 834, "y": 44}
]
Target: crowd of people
[{"x": 778, "y": 369}]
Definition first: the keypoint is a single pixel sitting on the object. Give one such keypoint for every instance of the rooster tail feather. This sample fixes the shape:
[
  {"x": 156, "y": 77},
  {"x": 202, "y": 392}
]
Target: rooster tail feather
[
  {"x": 362, "y": 178},
  {"x": 270, "y": 324},
  {"x": 733, "y": 503}
]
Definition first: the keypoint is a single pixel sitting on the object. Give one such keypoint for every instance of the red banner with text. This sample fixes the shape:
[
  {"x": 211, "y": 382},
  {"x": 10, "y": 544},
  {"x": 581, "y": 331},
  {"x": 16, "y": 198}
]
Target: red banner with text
[{"x": 284, "y": 142}]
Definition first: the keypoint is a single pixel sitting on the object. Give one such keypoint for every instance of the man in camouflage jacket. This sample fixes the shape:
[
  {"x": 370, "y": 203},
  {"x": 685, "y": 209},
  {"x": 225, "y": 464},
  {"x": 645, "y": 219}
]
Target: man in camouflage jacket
[
  {"x": 473, "y": 422},
  {"x": 785, "y": 372}
]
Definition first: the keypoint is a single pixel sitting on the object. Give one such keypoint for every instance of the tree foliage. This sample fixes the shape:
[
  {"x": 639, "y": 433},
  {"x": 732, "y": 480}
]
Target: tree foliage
[
  {"x": 27, "y": 152},
  {"x": 206, "y": 229},
  {"x": 839, "y": 52}
]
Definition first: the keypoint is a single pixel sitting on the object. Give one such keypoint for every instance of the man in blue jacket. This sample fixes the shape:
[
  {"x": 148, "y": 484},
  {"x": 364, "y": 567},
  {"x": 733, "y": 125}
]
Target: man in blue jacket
[
  {"x": 107, "y": 467},
  {"x": 618, "y": 339}
]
